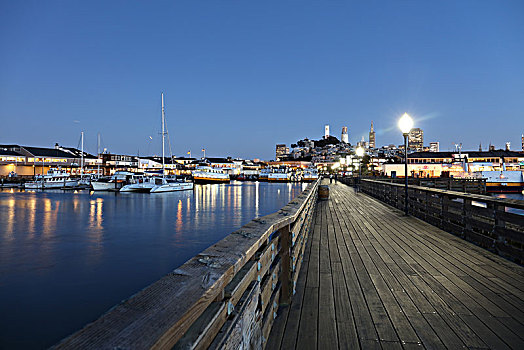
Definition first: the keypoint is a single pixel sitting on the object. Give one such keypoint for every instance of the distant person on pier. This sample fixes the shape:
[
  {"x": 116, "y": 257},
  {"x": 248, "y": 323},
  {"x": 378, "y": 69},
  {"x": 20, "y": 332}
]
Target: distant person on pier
[
  {"x": 330, "y": 178},
  {"x": 336, "y": 177}
]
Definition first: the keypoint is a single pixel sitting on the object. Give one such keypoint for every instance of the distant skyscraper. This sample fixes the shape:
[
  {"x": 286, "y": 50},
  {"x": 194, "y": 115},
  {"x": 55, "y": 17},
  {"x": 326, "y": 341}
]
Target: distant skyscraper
[
  {"x": 491, "y": 147},
  {"x": 281, "y": 151},
  {"x": 508, "y": 146},
  {"x": 480, "y": 147},
  {"x": 522, "y": 142},
  {"x": 345, "y": 136},
  {"x": 434, "y": 146},
  {"x": 416, "y": 139},
  {"x": 371, "y": 137},
  {"x": 362, "y": 143},
  {"x": 326, "y": 131}
]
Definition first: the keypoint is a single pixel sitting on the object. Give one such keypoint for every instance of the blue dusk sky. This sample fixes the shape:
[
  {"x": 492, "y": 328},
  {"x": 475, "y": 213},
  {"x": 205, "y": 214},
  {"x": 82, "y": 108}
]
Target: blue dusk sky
[{"x": 242, "y": 76}]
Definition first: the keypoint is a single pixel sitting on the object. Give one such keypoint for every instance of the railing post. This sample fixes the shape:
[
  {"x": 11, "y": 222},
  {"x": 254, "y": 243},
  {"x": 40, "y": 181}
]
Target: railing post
[
  {"x": 466, "y": 217},
  {"x": 285, "y": 273},
  {"x": 499, "y": 223}
]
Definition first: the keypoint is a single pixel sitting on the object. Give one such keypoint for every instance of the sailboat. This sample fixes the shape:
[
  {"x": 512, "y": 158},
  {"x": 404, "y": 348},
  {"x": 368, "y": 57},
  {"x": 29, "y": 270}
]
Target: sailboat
[{"x": 163, "y": 184}]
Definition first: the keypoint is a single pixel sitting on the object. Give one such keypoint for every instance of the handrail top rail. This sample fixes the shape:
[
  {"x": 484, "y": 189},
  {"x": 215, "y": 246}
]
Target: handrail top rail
[
  {"x": 477, "y": 197},
  {"x": 158, "y": 315}
]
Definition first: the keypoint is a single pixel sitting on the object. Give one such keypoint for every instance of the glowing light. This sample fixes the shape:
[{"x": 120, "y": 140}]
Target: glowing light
[
  {"x": 405, "y": 123},
  {"x": 359, "y": 151}
]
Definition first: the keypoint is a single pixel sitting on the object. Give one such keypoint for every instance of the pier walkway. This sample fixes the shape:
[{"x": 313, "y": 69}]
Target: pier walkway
[{"x": 373, "y": 278}]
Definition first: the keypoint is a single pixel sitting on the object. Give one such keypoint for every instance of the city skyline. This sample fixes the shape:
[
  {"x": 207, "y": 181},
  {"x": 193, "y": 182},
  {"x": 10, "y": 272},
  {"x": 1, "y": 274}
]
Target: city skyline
[{"x": 240, "y": 78}]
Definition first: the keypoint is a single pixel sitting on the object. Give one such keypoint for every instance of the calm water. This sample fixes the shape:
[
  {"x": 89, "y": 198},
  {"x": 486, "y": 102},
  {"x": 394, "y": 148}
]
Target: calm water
[{"x": 66, "y": 258}]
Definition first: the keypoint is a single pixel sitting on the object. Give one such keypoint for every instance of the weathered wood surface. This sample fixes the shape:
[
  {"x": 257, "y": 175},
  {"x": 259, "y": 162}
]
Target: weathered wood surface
[
  {"x": 453, "y": 184},
  {"x": 225, "y": 290},
  {"x": 373, "y": 278},
  {"x": 484, "y": 220}
]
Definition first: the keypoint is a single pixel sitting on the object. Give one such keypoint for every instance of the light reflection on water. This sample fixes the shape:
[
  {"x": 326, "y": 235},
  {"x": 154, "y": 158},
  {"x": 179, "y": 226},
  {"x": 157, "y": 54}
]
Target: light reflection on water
[{"x": 65, "y": 258}]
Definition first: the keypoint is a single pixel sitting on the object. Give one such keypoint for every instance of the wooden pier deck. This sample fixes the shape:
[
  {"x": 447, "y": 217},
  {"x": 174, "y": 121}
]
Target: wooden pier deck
[{"x": 373, "y": 278}]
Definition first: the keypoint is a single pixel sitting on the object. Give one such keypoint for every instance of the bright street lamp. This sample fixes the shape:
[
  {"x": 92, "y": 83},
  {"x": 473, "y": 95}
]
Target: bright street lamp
[{"x": 405, "y": 124}]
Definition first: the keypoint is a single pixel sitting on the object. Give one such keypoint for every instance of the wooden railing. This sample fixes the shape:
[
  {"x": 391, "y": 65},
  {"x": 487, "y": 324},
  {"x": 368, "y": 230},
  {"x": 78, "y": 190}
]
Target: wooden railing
[
  {"x": 495, "y": 224},
  {"x": 443, "y": 183},
  {"x": 225, "y": 297}
]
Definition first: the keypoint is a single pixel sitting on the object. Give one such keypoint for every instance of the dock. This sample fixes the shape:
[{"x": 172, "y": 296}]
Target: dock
[
  {"x": 349, "y": 272},
  {"x": 374, "y": 278}
]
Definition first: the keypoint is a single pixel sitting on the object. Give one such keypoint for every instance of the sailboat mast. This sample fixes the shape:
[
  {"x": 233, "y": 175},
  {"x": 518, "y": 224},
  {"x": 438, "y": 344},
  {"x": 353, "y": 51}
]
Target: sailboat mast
[
  {"x": 82, "y": 156},
  {"x": 98, "y": 154},
  {"x": 163, "y": 134}
]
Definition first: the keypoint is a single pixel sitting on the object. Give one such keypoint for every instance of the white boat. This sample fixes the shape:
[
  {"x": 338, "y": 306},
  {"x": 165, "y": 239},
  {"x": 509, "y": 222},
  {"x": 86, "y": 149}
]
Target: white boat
[
  {"x": 167, "y": 185},
  {"x": 207, "y": 174},
  {"x": 507, "y": 181},
  {"x": 139, "y": 183},
  {"x": 115, "y": 182},
  {"x": 310, "y": 174},
  {"x": 279, "y": 175},
  {"x": 163, "y": 184},
  {"x": 55, "y": 178},
  {"x": 264, "y": 174}
]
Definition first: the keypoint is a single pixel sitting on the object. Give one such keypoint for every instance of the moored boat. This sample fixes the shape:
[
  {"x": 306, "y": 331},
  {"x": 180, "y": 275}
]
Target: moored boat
[
  {"x": 55, "y": 178},
  {"x": 170, "y": 185},
  {"x": 310, "y": 174},
  {"x": 264, "y": 174},
  {"x": 281, "y": 174},
  {"x": 110, "y": 183},
  {"x": 207, "y": 174},
  {"x": 504, "y": 181}
]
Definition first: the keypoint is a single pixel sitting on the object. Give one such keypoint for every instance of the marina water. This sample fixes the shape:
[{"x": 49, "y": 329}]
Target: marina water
[{"x": 66, "y": 258}]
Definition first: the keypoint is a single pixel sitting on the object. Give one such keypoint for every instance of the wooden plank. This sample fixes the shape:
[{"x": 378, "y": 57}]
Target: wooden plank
[
  {"x": 292, "y": 326},
  {"x": 270, "y": 315},
  {"x": 327, "y": 329},
  {"x": 240, "y": 331},
  {"x": 203, "y": 330},
  {"x": 269, "y": 283},
  {"x": 240, "y": 282},
  {"x": 346, "y": 328},
  {"x": 308, "y": 329}
]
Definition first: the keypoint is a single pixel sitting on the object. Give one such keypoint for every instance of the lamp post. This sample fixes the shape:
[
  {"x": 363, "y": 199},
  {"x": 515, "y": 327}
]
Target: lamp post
[
  {"x": 360, "y": 152},
  {"x": 405, "y": 124}
]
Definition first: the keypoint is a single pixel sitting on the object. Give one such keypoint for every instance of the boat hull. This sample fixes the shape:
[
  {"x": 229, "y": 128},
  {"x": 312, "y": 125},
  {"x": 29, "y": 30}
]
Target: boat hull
[
  {"x": 144, "y": 188},
  {"x": 210, "y": 180},
  {"x": 50, "y": 185},
  {"x": 172, "y": 187},
  {"x": 105, "y": 186},
  {"x": 510, "y": 187}
]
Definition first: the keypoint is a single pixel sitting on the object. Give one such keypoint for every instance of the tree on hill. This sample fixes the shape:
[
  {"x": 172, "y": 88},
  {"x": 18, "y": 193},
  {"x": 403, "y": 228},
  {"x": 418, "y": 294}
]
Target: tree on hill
[{"x": 331, "y": 140}]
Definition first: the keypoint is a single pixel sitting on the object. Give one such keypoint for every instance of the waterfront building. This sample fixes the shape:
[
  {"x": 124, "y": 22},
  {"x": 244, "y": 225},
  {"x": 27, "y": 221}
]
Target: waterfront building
[
  {"x": 434, "y": 146},
  {"x": 344, "y": 137},
  {"x": 281, "y": 151},
  {"x": 326, "y": 131},
  {"x": 445, "y": 164},
  {"x": 28, "y": 161},
  {"x": 371, "y": 137},
  {"x": 154, "y": 164},
  {"x": 416, "y": 139},
  {"x": 118, "y": 162}
]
